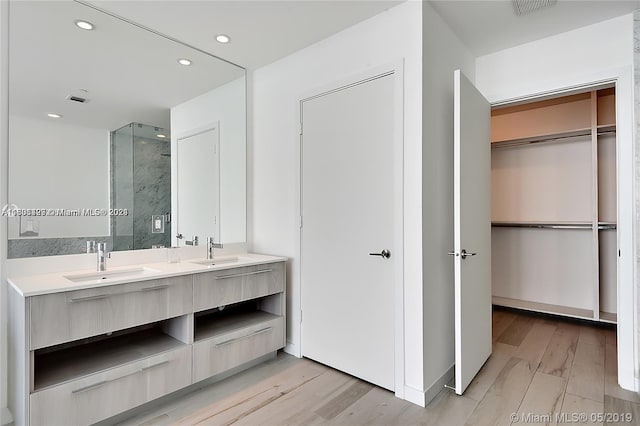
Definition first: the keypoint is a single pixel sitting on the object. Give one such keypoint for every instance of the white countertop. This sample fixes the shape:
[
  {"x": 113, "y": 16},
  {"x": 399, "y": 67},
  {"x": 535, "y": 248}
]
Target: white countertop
[{"x": 34, "y": 285}]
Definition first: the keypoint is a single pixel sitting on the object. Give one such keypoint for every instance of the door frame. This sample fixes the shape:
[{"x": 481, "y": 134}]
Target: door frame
[
  {"x": 396, "y": 69},
  {"x": 628, "y": 344}
]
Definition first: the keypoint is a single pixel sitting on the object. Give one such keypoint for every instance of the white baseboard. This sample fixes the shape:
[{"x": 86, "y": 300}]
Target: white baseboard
[
  {"x": 438, "y": 385},
  {"x": 293, "y": 349},
  {"x": 415, "y": 396},
  {"x": 5, "y": 416}
]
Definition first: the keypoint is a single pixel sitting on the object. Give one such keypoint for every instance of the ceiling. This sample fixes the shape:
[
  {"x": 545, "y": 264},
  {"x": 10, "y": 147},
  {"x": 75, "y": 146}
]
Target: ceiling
[
  {"x": 488, "y": 26},
  {"x": 261, "y": 31}
]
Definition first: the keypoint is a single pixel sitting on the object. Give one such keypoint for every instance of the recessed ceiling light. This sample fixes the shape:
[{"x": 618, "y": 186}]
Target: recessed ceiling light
[
  {"x": 54, "y": 115},
  {"x": 223, "y": 38},
  {"x": 185, "y": 62},
  {"x": 161, "y": 136},
  {"x": 85, "y": 25}
]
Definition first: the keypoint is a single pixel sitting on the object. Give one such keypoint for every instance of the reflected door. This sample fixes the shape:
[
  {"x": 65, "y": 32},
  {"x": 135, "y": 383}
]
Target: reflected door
[{"x": 198, "y": 178}]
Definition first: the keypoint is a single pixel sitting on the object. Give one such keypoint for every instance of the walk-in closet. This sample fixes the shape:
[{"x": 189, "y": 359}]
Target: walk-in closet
[{"x": 554, "y": 205}]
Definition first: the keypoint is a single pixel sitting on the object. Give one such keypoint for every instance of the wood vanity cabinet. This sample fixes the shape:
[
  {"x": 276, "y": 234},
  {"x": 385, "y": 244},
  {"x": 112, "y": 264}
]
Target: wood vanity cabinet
[{"x": 82, "y": 356}]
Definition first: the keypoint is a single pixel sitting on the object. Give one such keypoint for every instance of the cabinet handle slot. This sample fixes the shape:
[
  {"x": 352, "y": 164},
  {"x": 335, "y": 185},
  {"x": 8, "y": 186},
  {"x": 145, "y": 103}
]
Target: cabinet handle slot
[
  {"x": 155, "y": 365},
  {"x": 104, "y": 296},
  {"x": 261, "y": 271},
  {"x": 85, "y": 299},
  {"x": 104, "y": 382},
  {"x": 226, "y": 342}
]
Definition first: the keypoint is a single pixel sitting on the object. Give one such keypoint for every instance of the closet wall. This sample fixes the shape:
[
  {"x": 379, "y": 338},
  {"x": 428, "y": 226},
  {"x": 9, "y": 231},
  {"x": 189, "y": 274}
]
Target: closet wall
[{"x": 554, "y": 241}]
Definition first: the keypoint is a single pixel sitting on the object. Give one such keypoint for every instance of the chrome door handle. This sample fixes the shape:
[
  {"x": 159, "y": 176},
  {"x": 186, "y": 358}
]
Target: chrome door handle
[
  {"x": 464, "y": 254},
  {"x": 384, "y": 253}
]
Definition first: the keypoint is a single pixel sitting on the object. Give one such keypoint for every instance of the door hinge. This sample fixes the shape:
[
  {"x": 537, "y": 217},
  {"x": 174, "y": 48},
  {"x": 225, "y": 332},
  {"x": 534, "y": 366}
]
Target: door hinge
[
  {"x": 300, "y": 221},
  {"x": 300, "y": 129},
  {"x": 300, "y": 316}
]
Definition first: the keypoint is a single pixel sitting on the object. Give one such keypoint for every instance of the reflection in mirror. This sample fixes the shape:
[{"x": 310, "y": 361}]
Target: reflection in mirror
[{"x": 85, "y": 111}]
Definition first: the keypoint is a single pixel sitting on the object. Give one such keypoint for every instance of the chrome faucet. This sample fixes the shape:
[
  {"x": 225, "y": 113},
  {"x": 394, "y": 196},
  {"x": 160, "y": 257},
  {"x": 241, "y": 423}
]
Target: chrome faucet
[
  {"x": 193, "y": 242},
  {"x": 102, "y": 256},
  {"x": 210, "y": 246},
  {"x": 91, "y": 246}
]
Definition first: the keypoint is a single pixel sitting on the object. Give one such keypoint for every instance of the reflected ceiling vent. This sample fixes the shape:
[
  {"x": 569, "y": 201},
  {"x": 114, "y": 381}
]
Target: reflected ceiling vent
[
  {"x": 524, "y": 7},
  {"x": 77, "y": 99}
]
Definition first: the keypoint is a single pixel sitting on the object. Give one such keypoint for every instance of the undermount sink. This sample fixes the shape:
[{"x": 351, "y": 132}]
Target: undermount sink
[
  {"x": 110, "y": 275},
  {"x": 218, "y": 261}
]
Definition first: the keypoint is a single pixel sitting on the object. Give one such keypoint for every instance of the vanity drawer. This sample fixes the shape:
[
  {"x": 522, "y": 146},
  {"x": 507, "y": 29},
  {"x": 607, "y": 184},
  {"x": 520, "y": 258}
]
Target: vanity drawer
[
  {"x": 213, "y": 289},
  {"x": 220, "y": 353},
  {"x": 102, "y": 395},
  {"x": 63, "y": 317}
]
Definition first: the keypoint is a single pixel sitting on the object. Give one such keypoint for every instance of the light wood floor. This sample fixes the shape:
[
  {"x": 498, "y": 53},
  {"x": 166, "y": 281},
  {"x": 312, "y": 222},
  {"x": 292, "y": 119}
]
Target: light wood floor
[{"x": 539, "y": 366}]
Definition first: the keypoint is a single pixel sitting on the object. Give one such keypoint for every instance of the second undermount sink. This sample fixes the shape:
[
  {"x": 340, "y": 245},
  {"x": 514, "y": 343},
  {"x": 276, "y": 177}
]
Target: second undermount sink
[
  {"x": 215, "y": 261},
  {"x": 111, "y": 275}
]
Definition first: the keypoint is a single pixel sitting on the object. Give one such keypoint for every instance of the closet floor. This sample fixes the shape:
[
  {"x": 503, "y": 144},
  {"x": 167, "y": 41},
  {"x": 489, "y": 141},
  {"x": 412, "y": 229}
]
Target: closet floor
[{"x": 540, "y": 366}]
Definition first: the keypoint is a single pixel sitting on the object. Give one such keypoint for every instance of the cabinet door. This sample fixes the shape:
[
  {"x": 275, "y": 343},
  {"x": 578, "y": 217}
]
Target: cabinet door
[
  {"x": 103, "y": 395},
  {"x": 228, "y": 286},
  {"x": 221, "y": 353},
  {"x": 63, "y": 317}
]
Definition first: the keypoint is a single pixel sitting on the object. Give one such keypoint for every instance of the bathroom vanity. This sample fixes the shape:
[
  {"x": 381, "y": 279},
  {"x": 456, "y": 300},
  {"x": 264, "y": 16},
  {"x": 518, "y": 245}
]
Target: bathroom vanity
[{"x": 85, "y": 346}]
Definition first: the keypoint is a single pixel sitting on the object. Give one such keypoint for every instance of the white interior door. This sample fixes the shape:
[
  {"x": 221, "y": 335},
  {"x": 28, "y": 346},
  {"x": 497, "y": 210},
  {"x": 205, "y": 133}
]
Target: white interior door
[
  {"x": 347, "y": 222},
  {"x": 199, "y": 185},
  {"x": 472, "y": 230}
]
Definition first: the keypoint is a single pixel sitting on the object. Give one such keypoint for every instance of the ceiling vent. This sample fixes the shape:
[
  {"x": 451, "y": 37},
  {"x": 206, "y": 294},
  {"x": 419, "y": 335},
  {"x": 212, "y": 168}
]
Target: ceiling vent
[
  {"x": 524, "y": 7},
  {"x": 77, "y": 99}
]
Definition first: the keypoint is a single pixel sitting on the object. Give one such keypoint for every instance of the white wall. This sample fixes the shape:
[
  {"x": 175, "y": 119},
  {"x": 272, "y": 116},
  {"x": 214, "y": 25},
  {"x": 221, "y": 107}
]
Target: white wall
[
  {"x": 443, "y": 53},
  {"x": 387, "y": 38},
  {"x": 5, "y": 416},
  {"x": 599, "y": 52},
  {"x": 226, "y": 105},
  {"x": 54, "y": 165}
]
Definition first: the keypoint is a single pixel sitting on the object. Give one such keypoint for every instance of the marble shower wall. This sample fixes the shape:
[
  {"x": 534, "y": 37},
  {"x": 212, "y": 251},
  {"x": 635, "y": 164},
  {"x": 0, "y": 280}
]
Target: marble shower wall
[
  {"x": 141, "y": 183},
  {"x": 152, "y": 190}
]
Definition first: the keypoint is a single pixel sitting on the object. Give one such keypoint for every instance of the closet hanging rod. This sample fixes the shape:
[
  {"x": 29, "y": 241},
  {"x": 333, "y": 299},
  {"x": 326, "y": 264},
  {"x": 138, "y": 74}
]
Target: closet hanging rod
[
  {"x": 539, "y": 140},
  {"x": 534, "y": 225},
  {"x": 587, "y": 226}
]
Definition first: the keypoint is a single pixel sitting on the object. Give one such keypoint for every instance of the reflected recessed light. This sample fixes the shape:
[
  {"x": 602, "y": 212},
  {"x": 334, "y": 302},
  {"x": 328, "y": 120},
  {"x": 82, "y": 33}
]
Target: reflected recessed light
[
  {"x": 161, "y": 136},
  {"x": 54, "y": 115},
  {"x": 223, "y": 38},
  {"x": 85, "y": 25},
  {"x": 185, "y": 62}
]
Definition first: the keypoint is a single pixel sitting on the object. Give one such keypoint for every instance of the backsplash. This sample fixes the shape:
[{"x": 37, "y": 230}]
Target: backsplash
[{"x": 36, "y": 247}]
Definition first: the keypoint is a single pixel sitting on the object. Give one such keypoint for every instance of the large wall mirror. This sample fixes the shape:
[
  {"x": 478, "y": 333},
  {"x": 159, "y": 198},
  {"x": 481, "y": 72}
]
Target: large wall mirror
[{"x": 98, "y": 121}]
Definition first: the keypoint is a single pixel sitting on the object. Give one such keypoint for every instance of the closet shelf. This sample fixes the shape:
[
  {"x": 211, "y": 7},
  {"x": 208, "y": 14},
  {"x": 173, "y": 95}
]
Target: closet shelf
[
  {"x": 554, "y": 137},
  {"x": 550, "y": 225},
  {"x": 602, "y": 129},
  {"x": 543, "y": 225}
]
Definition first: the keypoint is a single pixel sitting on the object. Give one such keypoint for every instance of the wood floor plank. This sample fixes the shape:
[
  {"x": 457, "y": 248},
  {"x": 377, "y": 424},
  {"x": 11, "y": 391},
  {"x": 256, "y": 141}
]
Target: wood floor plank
[
  {"x": 558, "y": 357},
  {"x": 501, "y": 320},
  {"x": 299, "y": 405},
  {"x": 620, "y": 412},
  {"x": 505, "y": 395},
  {"x": 543, "y": 399},
  {"x": 575, "y": 407},
  {"x": 344, "y": 399},
  {"x": 446, "y": 409},
  {"x": 379, "y": 407},
  {"x": 610, "y": 336},
  {"x": 536, "y": 341},
  {"x": 587, "y": 381},
  {"x": 611, "y": 386},
  {"x": 247, "y": 401},
  {"x": 592, "y": 335},
  {"x": 517, "y": 331},
  {"x": 480, "y": 384},
  {"x": 588, "y": 353}
]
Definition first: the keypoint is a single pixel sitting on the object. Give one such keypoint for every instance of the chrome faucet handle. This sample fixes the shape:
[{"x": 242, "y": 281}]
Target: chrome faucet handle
[
  {"x": 91, "y": 246},
  {"x": 193, "y": 242}
]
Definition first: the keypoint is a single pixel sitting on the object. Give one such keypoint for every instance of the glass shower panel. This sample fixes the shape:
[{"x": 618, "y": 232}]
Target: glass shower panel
[{"x": 141, "y": 183}]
